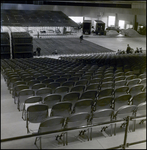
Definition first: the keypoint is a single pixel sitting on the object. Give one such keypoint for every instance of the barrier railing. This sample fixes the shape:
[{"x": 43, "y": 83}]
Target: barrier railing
[{"x": 123, "y": 146}]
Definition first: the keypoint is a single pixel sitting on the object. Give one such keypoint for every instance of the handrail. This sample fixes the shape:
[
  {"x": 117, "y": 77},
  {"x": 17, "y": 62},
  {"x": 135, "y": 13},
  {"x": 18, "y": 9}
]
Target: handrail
[{"x": 124, "y": 145}]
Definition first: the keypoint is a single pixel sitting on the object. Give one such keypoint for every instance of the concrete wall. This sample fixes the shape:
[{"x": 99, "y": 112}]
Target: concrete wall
[{"x": 101, "y": 13}]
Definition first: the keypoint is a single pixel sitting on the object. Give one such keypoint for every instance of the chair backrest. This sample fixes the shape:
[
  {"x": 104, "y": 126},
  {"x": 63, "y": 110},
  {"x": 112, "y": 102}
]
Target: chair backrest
[
  {"x": 124, "y": 111},
  {"x": 136, "y": 89},
  {"x": 19, "y": 88},
  {"x": 102, "y": 116},
  {"x": 138, "y": 98},
  {"x": 121, "y": 100},
  {"x": 43, "y": 92},
  {"x": 105, "y": 85},
  {"x": 53, "y": 85},
  {"x": 62, "y": 90},
  {"x": 69, "y": 84},
  {"x": 74, "y": 78},
  {"x": 82, "y": 82},
  {"x": 121, "y": 90},
  {"x": 92, "y": 94},
  {"x": 61, "y": 80},
  {"x": 72, "y": 97},
  {"x": 92, "y": 86},
  {"x": 32, "y": 82},
  {"x": 78, "y": 88},
  {"x": 107, "y": 79},
  {"x": 118, "y": 78},
  {"x": 120, "y": 83},
  {"x": 83, "y": 105},
  {"x": 52, "y": 99},
  {"x": 47, "y": 81},
  {"x": 51, "y": 124},
  {"x": 37, "y": 86},
  {"x": 142, "y": 76},
  {"x": 36, "y": 114},
  {"x": 32, "y": 100},
  {"x": 105, "y": 92},
  {"x": 95, "y": 80},
  {"x": 41, "y": 78},
  {"x": 55, "y": 77},
  {"x": 77, "y": 120},
  {"x": 61, "y": 109},
  {"x": 131, "y": 77},
  {"x": 133, "y": 82},
  {"x": 141, "y": 109},
  {"x": 104, "y": 102}
]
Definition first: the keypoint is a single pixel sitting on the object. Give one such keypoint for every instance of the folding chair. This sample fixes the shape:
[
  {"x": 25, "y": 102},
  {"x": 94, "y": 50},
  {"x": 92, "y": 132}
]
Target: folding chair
[
  {"x": 92, "y": 94},
  {"x": 53, "y": 85},
  {"x": 140, "y": 114},
  {"x": 136, "y": 89},
  {"x": 61, "y": 109},
  {"x": 43, "y": 92},
  {"x": 122, "y": 113},
  {"x": 22, "y": 96},
  {"x": 54, "y": 123},
  {"x": 37, "y": 86},
  {"x": 78, "y": 120},
  {"x": 73, "y": 97},
  {"x": 102, "y": 117},
  {"x": 121, "y": 90},
  {"x": 83, "y": 105},
  {"x": 32, "y": 100},
  {"x": 35, "y": 114},
  {"x": 62, "y": 90}
]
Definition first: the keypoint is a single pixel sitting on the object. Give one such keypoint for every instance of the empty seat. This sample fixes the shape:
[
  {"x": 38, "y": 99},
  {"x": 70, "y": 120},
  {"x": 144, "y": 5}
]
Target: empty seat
[
  {"x": 72, "y": 97},
  {"x": 138, "y": 98},
  {"x": 122, "y": 113},
  {"x": 37, "y": 86},
  {"x": 103, "y": 103},
  {"x": 16, "y": 91},
  {"x": 82, "y": 82},
  {"x": 105, "y": 85},
  {"x": 83, "y": 105},
  {"x": 62, "y": 90},
  {"x": 93, "y": 86},
  {"x": 43, "y": 92},
  {"x": 53, "y": 86},
  {"x": 47, "y": 81},
  {"x": 32, "y": 100},
  {"x": 69, "y": 84},
  {"x": 78, "y": 88},
  {"x": 102, "y": 117},
  {"x": 61, "y": 109},
  {"x": 121, "y": 100},
  {"x": 78, "y": 120},
  {"x": 22, "y": 96},
  {"x": 61, "y": 80},
  {"x": 121, "y": 90},
  {"x": 136, "y": 89},
  {"x": 140, "y": 114},
  {"x": 92, "y": 94},
  {"x": 133, "y": 82},
  {"x": 120, "y": 83},
  {"x": 32, "y": 82},
  {"x": 35, "y": 114},
  {"x": 106, "y": 92},
  {"x": 54, "y": 123}
]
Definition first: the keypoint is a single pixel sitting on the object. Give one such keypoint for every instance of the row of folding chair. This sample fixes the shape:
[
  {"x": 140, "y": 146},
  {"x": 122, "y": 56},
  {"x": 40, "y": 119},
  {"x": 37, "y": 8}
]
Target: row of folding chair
[
  {"x": 39, "y": 114},
  {"x": 92, "y": 91}
]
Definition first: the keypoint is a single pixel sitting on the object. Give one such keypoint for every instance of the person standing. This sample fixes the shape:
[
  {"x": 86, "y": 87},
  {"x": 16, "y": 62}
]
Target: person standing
[
  {"x": 81, "y": 38},
  {"x": 128, "y": 50},
  {"x": 38, "y": 49}
]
